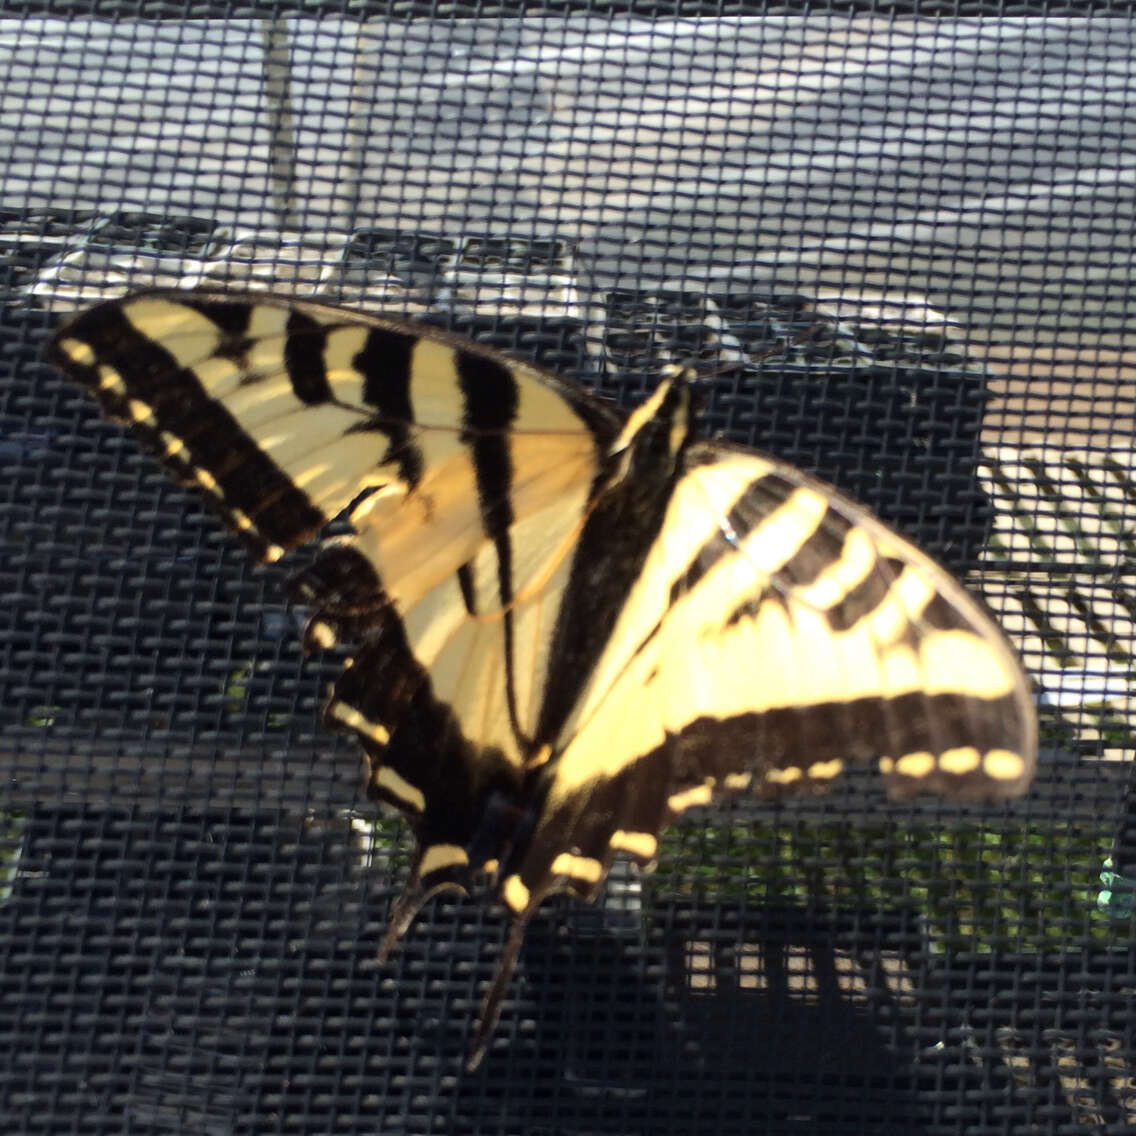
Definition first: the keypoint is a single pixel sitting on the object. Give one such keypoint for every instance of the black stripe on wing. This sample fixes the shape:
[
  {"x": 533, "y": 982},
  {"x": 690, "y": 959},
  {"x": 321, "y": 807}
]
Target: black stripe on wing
[
  {"x": 138, "y": 381},
  {"x": 385, "y": 364}
]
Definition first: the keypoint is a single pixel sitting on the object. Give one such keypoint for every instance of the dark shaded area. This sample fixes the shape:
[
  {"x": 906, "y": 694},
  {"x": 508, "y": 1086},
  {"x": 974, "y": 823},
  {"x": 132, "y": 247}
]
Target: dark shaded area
[{"x": 219, "y": 972}]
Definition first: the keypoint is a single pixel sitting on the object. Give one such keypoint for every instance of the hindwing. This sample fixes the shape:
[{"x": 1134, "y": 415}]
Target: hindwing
[{"x": 569, "y": 628}]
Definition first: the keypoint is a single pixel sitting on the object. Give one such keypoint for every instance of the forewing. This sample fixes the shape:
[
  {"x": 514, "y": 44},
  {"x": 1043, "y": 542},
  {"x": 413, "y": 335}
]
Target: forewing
[
  {"x": 285, "y": 414},
  {"x": 815, "y": 636}
]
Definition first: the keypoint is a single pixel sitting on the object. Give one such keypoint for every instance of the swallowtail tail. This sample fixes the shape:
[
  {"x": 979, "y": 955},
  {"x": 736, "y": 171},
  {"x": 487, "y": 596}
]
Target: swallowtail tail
[{"x": 570, "y": 626}]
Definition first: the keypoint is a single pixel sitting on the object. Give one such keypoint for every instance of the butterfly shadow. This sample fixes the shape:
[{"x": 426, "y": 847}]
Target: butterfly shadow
[{"x": 714, "y": 1020}]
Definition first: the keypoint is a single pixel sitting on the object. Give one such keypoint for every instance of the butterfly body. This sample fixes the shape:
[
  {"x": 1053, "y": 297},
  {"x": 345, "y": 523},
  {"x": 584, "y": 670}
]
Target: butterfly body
[{"x": 569, "y": 627}]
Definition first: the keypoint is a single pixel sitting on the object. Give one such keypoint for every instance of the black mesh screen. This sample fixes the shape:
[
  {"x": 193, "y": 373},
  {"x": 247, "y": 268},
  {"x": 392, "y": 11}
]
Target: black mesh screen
[{"x": 901, "y": 252}]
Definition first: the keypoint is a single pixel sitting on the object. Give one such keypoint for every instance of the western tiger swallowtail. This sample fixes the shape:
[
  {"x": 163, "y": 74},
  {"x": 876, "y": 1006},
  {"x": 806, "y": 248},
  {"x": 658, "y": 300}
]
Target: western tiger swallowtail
[{"x": 570, "y": 626}]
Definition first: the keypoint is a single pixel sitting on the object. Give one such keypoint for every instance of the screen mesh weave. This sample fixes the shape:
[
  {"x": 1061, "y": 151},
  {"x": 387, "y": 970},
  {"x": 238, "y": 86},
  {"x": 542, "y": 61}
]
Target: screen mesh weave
[{"x": 900, "y": 250}]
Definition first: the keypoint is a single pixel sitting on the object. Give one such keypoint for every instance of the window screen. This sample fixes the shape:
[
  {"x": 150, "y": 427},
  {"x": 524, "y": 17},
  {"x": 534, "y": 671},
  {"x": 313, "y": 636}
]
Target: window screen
[{"x": 900, "y": 252}]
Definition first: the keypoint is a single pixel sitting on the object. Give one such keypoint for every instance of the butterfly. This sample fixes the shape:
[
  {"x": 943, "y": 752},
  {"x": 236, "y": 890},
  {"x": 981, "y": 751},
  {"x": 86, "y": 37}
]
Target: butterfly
[{"x": 569, "y": 626}]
